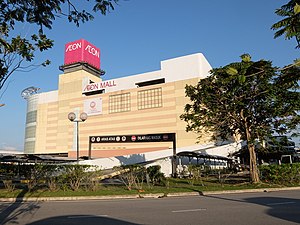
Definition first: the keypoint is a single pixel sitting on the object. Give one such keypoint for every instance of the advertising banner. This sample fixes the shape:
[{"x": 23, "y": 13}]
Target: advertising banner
[
  {"x": 164, "y": 137},
  {"x": 93, "y": 106}
]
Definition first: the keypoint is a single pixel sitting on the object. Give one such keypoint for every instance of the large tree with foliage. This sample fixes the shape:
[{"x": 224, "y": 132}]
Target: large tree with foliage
[
  {"x": 17, "y": 51},
  {"x": 251, "y": 100},
  {"x": 290, "y": 25}
]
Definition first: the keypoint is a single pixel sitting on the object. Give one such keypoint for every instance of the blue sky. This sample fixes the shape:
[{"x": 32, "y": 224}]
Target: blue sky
[{"x": 139, "y": 34}]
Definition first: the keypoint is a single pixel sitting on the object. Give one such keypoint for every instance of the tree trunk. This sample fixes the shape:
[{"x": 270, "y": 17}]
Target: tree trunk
[
  {"x": 251, "y": 148},
  {"x": 253, "y": 166}
]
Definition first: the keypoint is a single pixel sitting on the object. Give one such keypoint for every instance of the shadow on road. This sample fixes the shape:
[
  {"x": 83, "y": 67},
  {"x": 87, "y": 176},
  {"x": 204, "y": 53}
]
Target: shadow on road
[
  {"x": 81, "y": 219},
  {"x": 11, "y": 213},
  {"x": 283, "y": 208}
]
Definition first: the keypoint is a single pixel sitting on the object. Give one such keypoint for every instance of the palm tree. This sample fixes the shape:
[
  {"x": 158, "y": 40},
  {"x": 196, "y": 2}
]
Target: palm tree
[{"x": 290, "y": 25}]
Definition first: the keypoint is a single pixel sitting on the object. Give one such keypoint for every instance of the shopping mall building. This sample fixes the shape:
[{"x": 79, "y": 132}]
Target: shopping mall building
[{"x": 136, "y": 114}]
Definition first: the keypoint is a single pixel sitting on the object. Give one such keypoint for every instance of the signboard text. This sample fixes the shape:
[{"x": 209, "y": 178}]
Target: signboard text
[{"x": 98, "y": 86}]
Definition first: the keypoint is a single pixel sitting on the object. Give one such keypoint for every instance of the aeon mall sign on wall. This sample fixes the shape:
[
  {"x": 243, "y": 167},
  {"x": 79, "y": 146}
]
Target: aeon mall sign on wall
[{"x": 82, "y": 51}]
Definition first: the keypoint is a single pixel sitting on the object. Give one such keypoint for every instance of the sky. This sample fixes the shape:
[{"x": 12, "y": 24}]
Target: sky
[{"x": 138, "y": 34}]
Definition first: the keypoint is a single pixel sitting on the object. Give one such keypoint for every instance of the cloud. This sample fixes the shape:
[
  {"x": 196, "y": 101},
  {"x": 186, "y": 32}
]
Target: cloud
[
  {"x": 6, "y": 147},
  {"x": 10, "y": 148}
]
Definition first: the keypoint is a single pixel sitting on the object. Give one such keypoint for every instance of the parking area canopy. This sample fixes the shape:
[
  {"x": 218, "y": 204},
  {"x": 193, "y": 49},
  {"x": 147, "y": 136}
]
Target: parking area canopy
[{"x": 201, "y": 155}]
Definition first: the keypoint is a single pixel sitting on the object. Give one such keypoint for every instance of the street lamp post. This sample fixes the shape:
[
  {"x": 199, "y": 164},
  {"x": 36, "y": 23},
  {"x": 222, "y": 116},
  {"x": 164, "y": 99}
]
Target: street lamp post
[{"x": 72, "y": 117}]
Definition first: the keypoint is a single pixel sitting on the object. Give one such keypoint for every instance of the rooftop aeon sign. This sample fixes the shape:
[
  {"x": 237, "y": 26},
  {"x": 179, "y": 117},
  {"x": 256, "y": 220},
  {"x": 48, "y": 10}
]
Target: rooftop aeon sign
[{"x": 82, "y": 51}]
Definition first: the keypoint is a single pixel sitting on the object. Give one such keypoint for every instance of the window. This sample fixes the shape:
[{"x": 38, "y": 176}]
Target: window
[
  {"x": 119, "y": 103},
  {"x": 31, "y": 117},
  {"x": 29, "y": 146},
  {"x": 30, "y": 132},
  {"x": 151, "y": 98}
]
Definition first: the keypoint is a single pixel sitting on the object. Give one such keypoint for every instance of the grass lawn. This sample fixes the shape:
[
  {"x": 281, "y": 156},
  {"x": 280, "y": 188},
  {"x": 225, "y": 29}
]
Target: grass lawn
[{"x": 172, "y": 186}]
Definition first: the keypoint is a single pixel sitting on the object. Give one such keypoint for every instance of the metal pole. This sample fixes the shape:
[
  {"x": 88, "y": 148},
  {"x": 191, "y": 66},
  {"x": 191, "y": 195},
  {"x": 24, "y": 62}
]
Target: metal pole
[
  {"x": 174, "y": 158},
  {"x": 77, "y": 141},
  {"x": 90, "y": 148}
]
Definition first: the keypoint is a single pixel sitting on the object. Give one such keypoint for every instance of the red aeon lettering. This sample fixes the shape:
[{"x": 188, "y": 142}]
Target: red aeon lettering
[{"x": 101, "y": 85}]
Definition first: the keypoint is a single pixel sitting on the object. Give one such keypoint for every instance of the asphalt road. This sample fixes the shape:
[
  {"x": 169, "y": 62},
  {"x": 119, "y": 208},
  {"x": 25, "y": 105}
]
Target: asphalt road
[{"x": 274, "y": 208}]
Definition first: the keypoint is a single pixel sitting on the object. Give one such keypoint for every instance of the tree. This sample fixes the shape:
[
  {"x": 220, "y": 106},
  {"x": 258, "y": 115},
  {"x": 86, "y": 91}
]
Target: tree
[
  {"x": 17, "y": 52},
  {"x": 248, "y": 99},
  {"x": 290, "y": 25}
]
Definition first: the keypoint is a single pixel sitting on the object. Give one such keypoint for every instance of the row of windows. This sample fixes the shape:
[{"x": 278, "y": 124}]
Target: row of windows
[
  {"x": 29, "y": 146},
  {"x": 31, "y": 117},
  {"x": 30, "y": 132},
  {"x": 147, "y": 99}
]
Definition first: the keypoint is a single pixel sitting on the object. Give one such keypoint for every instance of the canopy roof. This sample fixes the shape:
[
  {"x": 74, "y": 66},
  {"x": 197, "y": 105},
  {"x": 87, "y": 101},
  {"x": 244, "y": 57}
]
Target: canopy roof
[
  {"x": 201, "y": 155},
  {"x": 32, "y": 158}
]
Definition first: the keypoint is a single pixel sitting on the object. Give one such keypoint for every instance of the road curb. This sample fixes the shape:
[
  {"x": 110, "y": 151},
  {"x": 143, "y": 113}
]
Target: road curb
[
  {"x": 250, "y": 190},
  {"x": 137, "y": 196}
]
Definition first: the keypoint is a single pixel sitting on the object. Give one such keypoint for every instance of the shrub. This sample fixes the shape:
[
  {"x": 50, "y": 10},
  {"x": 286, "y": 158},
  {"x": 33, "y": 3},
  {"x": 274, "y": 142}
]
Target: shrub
[
  {"x": 91, "y": 180},
  {"x": 155, "y": 176},
  {"x": 52, "y": 176},
  {"x": 9, "y": 186},
  {"x": 281, "y": 174},
  {"x": 132, "y": 176},
  {"x": 75, "y": 175},
  {"x": 195, "y": 173}
]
